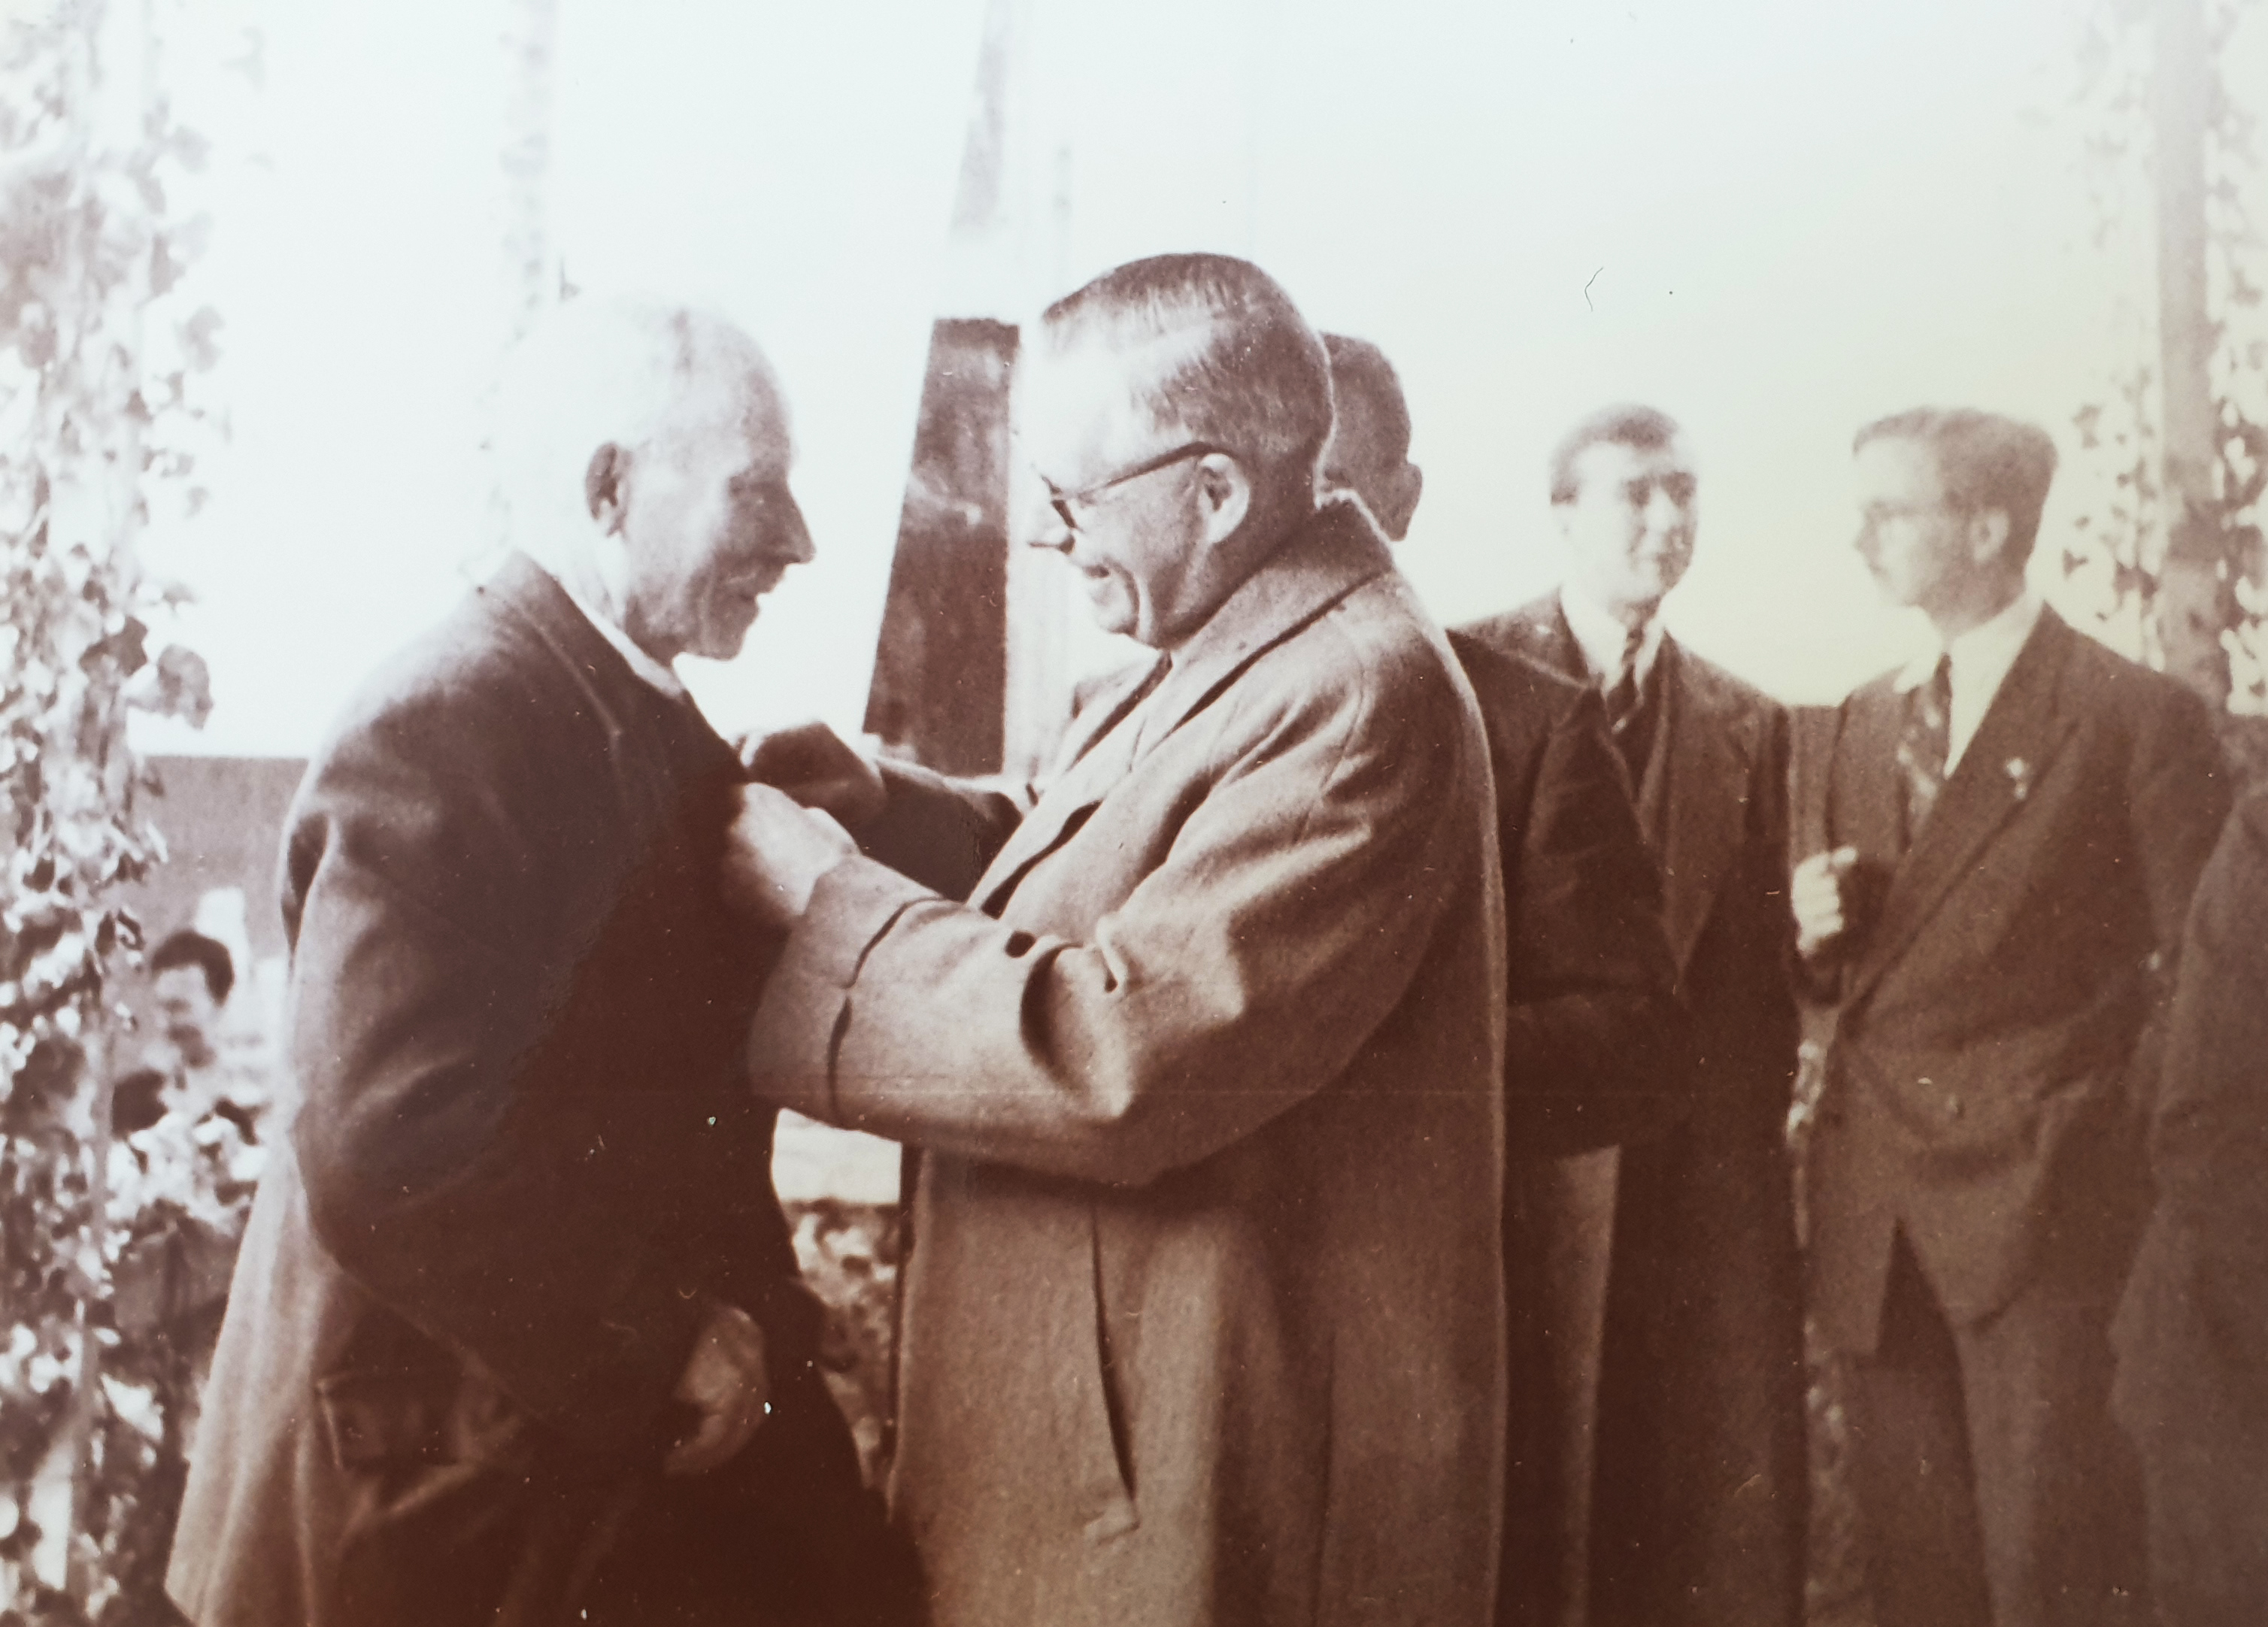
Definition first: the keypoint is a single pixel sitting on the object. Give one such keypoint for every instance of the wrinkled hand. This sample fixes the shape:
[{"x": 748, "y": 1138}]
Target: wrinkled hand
[
  {"x": 1824, "y": 897},
  {"x": 775, "y": 854},
  {"x": 726, "y": 1381},
  {"x": 812, "y": 764}
]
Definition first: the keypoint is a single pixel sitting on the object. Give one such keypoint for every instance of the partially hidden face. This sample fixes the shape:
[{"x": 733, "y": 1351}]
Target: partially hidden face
[
  {"x": 708, "y": 523},
  {"x": 1630, "y": 525},
  {"x": 1363, "y": 457},
  {"x": 1914, "y": 542},
  {"x": 186, "y": 1008},
  {"x": 1135, "y": 543}
]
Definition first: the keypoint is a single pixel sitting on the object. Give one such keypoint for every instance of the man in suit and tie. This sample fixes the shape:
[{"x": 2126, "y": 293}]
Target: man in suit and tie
[
  {"x": 2014, "y": 823},
  {"x": 1201, "y": 1318},
  {"x": 1697, "y": 1492},
  {"x": 1596, "y": 1048},
  {"x": 516, "y": 1336}
]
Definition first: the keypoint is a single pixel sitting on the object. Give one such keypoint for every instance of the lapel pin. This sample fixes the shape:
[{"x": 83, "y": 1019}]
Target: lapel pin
[{"x": 2020, "y": 777}]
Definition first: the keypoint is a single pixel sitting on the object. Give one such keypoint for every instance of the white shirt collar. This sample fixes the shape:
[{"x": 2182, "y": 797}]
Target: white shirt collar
[
  {"x": 644, "y": 666},
  {"x": 1601, "y": 637},
  {"x": 1981, "y": 658}
]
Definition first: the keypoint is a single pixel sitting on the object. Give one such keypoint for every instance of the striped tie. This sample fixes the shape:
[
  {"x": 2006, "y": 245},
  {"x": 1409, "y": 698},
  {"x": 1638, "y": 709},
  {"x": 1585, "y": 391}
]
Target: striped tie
[{"x": 1923, "y": 744}]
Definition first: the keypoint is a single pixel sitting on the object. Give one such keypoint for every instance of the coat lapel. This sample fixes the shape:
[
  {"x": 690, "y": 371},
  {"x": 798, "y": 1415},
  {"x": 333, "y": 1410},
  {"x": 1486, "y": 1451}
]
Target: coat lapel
[
  {"x": 1693, "y": 805},
  {"x": 1333, "y": 553},
  {"x": 2022, "y": 731}
]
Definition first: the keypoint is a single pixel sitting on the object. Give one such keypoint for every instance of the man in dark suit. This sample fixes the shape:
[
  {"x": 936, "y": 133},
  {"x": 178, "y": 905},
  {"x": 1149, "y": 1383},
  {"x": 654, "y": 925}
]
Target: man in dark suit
[
  {"x": 2192, "y": 1390},
  {"x": 516, "y": 1334},
  {"x": 2015, "y": 824},
  {"x": 1595, "y": 1041},
  {"x": 1697, "y": 1493}
]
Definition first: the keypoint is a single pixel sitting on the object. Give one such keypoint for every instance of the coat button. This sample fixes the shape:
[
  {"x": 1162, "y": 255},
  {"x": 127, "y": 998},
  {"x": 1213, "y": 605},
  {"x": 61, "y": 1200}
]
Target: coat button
[{"x": 1953, "y": 1107}]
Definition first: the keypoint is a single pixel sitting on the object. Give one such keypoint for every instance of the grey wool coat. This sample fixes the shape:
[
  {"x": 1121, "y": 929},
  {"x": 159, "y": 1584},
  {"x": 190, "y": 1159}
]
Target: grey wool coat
[{"x": 1201, "y": 1317}]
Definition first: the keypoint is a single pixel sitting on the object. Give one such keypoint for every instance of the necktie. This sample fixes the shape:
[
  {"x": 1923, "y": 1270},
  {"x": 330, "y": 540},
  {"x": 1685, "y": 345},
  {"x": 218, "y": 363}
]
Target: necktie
[
  {"x": 1923, "y": 743},
  {"x": 1621, "y": 690}
]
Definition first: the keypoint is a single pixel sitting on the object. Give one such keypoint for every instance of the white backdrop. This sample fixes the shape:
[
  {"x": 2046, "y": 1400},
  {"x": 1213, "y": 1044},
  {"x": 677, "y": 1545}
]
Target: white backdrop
[{"x": 1774, "y": 219}]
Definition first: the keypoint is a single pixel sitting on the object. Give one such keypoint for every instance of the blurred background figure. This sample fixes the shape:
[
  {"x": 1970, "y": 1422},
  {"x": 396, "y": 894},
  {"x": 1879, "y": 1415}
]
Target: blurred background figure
[{"x": 2192, "y": 1387}]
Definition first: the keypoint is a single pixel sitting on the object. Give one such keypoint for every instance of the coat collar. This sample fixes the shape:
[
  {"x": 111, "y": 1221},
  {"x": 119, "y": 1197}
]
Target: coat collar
[
  {"x": 2019, "y": 738},
  {"x": 1318, "y": 564},
  {"x": 626, "y": 703},
  {"x": 1689, "y": 798}
]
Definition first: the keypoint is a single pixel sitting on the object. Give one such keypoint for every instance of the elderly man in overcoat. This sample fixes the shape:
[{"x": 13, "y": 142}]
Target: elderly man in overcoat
[
  {"x": 516, "y": 1336},
  {"x": 2015, "y": 824},
  {"x": 1697, "y": 1490},
  {"x": 1201, "y": 1318}
]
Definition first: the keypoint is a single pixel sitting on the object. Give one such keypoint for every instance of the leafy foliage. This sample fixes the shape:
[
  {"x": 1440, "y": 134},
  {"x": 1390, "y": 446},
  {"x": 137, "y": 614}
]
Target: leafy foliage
[
  {"x": 97, "y": 420},
  {"x": 2124, "y": 541}
]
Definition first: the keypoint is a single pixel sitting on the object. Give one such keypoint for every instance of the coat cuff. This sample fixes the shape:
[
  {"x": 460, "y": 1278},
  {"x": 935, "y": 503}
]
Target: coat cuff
[{"x": 798, "y": 1023}]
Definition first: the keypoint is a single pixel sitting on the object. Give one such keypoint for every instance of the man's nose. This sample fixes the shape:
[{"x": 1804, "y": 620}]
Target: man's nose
[
  {"x": 1050, "y": 530},
  {"x": 792, "y": 539}
]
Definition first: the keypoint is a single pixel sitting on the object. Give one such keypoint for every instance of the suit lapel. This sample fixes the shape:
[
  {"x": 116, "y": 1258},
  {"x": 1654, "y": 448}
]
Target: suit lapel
[
  {"x": 1336, "y": 551},
  {"x": 2022, "y": 731},
  {"x": 1692, "y": 805}
]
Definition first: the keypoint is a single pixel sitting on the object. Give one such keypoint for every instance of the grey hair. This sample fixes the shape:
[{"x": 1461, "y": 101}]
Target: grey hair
[
  {"x": 1215, "y": 350},
  {"x": 622, "y": 369}
]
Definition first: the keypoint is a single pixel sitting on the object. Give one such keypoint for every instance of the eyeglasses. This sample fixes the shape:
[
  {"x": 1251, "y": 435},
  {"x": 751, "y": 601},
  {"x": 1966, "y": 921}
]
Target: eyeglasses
[{"x": 1062, "y": 502}]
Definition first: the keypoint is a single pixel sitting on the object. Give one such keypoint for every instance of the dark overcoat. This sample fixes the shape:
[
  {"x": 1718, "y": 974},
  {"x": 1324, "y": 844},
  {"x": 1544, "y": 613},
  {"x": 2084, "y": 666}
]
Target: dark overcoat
[
  {"x": 1202, "y": 1320},
  {"x": 524, "y": 1167},
  {"x": 1697, "y": 1490},
  {"x": 2192, "y": 1387}
]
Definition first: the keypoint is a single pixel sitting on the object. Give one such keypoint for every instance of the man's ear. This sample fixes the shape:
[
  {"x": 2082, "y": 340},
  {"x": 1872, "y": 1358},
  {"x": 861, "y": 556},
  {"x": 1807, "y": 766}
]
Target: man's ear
[
  {"x": 1401, "y": 496},
  {"x": 1225, "y": 491},
  {"x": 602, "y": 485},
  {"x": 1988, "y": 537}
]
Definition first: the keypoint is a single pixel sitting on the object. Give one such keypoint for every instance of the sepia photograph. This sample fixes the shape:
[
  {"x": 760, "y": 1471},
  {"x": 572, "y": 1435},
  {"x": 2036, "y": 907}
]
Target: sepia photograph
[{"x": 1038, "y": 814}]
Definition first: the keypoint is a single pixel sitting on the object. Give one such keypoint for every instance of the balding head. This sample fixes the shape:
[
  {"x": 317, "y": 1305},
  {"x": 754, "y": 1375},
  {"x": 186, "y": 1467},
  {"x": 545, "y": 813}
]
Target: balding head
[
  {"x": 1368, "y": 453},
  {"x": 644, "y": 451}
]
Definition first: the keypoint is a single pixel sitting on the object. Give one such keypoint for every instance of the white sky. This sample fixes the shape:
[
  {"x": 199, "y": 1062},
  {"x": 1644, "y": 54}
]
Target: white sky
[{"x": 1788, "y": 218}]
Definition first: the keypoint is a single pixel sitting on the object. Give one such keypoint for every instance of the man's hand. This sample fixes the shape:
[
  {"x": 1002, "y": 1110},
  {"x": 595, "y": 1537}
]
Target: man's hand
[
  {"x": 726, "y": 1383},
  {"x": 775, "y": 854},
  {"x": 812, "y": 764},
  {"x": 1824, "y": 896}
]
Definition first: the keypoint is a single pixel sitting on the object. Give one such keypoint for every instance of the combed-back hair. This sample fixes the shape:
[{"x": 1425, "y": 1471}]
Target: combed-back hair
[
  {"x": 619, "y": 369},
  {"x": 208, "y": 955},
  {"x": 1987, "y": 461},
  {"x": 1215, "y": 350},
  {"x": 1360, "y": 369},
  {"x": 1625, "y": 423}
]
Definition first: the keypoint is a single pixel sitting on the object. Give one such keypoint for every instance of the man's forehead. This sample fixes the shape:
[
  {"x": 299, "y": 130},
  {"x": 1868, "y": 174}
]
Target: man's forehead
[
  {"x": 1616, "y": 460},
  {"x": 1900, "y": 461}
]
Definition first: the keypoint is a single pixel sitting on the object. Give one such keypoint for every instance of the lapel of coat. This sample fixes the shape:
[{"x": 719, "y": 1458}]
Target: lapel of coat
[
  {"x": 1319, "y": 565},
  {"x": 1694, "y": 803},
  {"x": 651, "y": 737},
  {"x": 2021, "y": 732}
]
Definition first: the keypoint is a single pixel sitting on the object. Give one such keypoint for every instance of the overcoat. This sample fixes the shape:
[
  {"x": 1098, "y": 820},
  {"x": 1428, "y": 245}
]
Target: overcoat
[
  {"x": 525, "y": 1166},
  {"x": 1201, "y": 1318},
  {"x": 2191, "y": 1390},
  {"x": 1698, "y": 1492}
]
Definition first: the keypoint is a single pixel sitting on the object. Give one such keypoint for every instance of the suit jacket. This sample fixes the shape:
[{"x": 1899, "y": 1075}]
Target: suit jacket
[
  {"x": 526, "y": 1161},
  {"x": 1992, "y": 1062},
  {"x": 1595, "y": 1044},
  {"x": 2191, "y": 1391},
  {"x": 1202, "y": 1319},
  {"x": 1699, "y": 1490}
]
